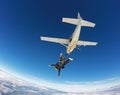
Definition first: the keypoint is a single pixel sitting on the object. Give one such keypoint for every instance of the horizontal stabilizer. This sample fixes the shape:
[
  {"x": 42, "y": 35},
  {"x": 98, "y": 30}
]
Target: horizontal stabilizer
[
  {"x": 56, "y": 40},
  {"x": 70, "y": 20},
  {"x": 86, "y": 43},
  {"x": 77, "y": 21},
  {"x": 87, "y": 23}
]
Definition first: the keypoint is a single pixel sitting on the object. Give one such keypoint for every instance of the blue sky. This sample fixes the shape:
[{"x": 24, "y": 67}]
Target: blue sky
[{"x": 22, "y": 22}]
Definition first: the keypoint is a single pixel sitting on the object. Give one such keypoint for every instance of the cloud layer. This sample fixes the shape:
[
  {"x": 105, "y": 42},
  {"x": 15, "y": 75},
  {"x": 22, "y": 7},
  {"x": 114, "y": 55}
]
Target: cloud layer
[
  {"x": 11, "y": 83},
  {"x": 81, "y": 87}
]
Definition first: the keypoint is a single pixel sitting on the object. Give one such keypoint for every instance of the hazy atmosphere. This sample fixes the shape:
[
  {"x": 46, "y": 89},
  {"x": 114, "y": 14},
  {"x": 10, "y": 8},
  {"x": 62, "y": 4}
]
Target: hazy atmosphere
[{"x": 23, "y": 54}]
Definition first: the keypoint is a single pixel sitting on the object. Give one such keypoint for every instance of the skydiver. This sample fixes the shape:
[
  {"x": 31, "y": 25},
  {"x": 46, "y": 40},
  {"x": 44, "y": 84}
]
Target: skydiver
[{"x": 61, "y": 63}]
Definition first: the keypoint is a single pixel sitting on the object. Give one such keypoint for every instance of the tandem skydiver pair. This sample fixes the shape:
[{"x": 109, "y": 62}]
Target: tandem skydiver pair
[{"x": 61, "y": 63}]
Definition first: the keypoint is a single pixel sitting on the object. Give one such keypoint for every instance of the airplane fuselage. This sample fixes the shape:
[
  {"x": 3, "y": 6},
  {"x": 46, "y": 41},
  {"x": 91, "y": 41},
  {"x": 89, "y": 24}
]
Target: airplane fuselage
[{"x": 75, "y": 37}]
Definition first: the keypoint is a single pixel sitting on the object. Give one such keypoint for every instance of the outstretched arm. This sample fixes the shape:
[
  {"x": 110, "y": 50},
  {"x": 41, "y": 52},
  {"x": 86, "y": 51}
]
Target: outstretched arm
[{"x": 52, "y": 65}]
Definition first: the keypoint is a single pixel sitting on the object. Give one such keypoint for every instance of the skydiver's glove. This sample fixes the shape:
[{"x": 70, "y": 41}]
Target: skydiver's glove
[{"x": 51, "y": 65}]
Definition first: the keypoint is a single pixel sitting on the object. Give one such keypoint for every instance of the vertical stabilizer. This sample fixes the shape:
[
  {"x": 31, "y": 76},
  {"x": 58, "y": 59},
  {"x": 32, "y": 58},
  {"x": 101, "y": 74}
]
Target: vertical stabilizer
[{"x": 79, "y": 17}]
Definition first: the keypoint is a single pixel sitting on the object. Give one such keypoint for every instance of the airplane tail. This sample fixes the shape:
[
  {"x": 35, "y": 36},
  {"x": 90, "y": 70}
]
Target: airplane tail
[{"x": 77, "y": 21}]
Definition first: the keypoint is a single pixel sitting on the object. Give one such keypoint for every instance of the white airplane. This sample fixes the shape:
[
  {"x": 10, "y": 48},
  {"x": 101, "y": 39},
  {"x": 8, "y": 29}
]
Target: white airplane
[{"x": 73, "y": 41}]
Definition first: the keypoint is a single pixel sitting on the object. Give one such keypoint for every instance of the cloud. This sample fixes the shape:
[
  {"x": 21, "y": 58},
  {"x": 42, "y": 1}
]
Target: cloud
[
  {"x": 103, "y": 87},
  {"x": 79, "y": 87}
]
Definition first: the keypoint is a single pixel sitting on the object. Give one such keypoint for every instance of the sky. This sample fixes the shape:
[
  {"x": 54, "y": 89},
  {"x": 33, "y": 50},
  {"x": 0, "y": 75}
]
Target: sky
[{"x": 22, "y": 22}]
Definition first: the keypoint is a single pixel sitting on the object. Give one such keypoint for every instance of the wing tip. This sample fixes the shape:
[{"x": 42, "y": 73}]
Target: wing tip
[
  {"x": 96, "y": 43},
  {"x": 41, "y": 37},
  {"x": 94, "y": 25}
]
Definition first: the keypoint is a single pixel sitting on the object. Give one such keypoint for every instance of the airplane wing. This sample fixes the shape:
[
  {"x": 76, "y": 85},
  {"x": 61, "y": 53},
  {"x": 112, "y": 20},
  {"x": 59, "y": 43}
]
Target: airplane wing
[
  {"x": 85, "y": 43},
  {"x": 55, "y": 40}
]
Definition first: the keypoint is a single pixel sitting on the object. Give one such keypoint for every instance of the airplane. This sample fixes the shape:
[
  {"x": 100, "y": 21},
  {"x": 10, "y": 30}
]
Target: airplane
[
  {"x": 73, "y": 41},
  {"x": 61, "y": 63}
]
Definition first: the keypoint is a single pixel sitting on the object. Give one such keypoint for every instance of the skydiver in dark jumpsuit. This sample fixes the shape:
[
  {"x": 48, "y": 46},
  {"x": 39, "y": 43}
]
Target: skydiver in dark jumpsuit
[{"x": 61, "y": 63}]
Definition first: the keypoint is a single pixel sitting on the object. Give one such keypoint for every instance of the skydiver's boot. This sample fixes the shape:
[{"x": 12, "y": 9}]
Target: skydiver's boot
[{"x": 70, "y": 59}]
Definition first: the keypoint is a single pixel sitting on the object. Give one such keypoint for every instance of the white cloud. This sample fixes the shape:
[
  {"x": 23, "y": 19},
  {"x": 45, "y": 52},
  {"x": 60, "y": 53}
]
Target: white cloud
[
  {"x": 78, "y": 87},
  {"x": 102, "y": 87}
]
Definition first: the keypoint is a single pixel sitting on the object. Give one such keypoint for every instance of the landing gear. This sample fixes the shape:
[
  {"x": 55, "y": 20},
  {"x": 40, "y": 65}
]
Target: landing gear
[{"x": 78, "y": 48}]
